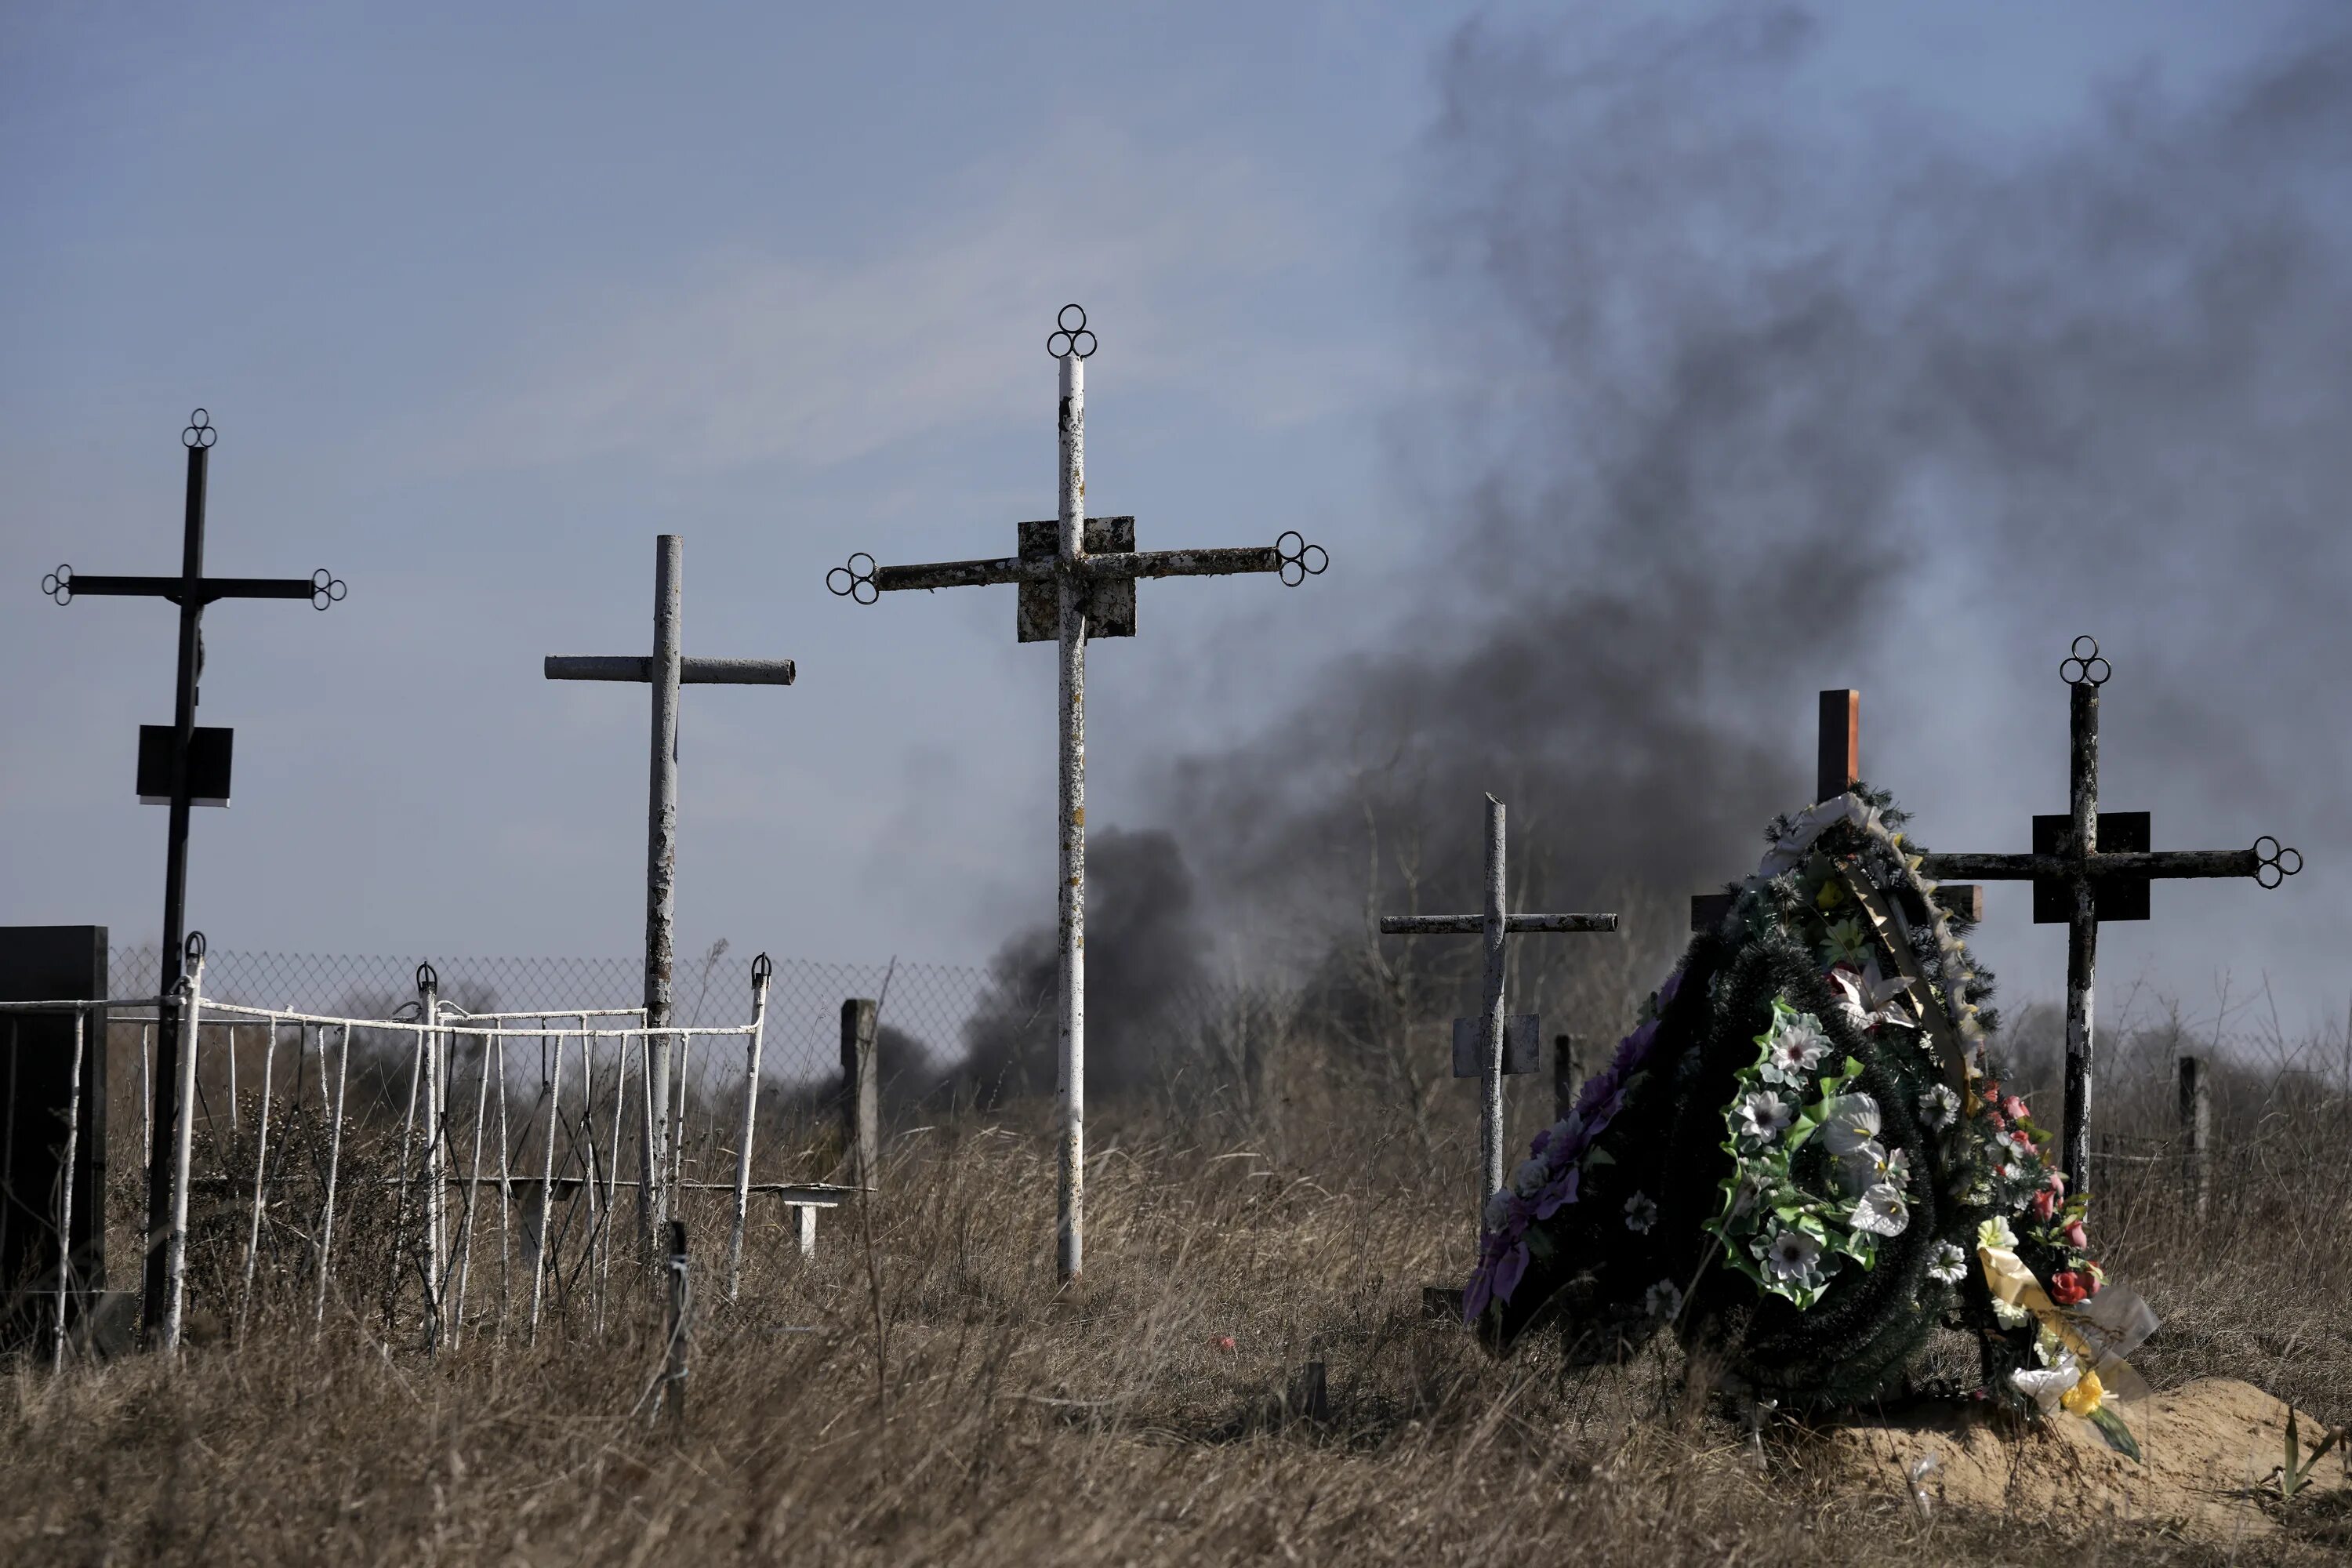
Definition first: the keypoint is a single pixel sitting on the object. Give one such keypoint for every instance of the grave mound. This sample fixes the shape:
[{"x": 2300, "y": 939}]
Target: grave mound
[{"x": 2211, "y": 1453}]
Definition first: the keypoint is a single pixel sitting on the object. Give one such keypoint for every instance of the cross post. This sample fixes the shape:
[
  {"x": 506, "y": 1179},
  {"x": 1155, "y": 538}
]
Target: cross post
[
  {"x": 191, "y": 591},
  {"x": 2089, "y": 866},
  {"x": 1076, "y": 576},
  {"x": 668, "y": 669},
  {"x": 1493, "y": 1025}
]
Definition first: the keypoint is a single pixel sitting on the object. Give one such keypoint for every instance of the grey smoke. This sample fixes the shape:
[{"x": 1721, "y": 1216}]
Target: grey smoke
[
  {"x": 1144, "y": 959},
  {"x": 1765, "y": 402}
]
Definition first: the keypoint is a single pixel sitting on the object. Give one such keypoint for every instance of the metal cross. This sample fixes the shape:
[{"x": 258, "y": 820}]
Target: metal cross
[
  {"x": 664, "y": 671},
  {"x": 2089, "y": 866},
  {"x": 1492, "y": 1026},
  {"x": 1077, "y": 577},
  {"x": 192, "y": 591}
]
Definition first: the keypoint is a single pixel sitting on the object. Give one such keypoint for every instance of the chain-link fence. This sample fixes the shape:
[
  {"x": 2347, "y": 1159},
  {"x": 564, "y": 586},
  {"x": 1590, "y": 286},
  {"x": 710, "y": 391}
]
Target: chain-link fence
[{"x": 927, "y": 1002}]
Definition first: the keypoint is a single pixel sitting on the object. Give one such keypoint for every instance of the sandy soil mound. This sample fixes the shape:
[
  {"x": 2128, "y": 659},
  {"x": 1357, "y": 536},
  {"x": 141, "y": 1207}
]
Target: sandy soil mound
[{"x": 2210, "y": 1446}]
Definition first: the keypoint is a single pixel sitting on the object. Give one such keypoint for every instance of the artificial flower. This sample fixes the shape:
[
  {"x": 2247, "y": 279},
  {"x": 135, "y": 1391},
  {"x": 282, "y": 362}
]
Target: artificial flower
[
  {"x": 2069, "y": 1289},
  {"x": 1762, "y": 1115},
  {"x": 1950, "y": 1265},
  {"x": 1664, "y": 1299},
  {"x": 2014, "y": 1109},
  {"x": 1510, "y": 1271},
  {"x": 1831, "y": 896},
  {"x": 2045, "y": 1386},
  {"x": 1864, "y": 1165},
  {"x": 2045, "y": 1203},
  {"x": 1938, "y": 1106},
  {"x": 1880, "y": 1211},
  {"x": 1848, "y": 1121},
  {"x": 1641, "y": 1213},
  {"x": 1560, "y": 1192},
  {"x": 1792, "y": 1258},
  {"x": 2075, "y": 1236},
  {"x": 1995, "y": 1232},
  {"x": 2084, "y": 1398},
  {"x": 1529, "y": 1178},
  {"x": 1846, "y": 942},
  {"x": 1867, "y": 1003},
  {"x": 1797, "y": 1047},
  {"x": 1498, "y": 1211},
  {"x": 2009, "y": 1315},
  {"x": 1559, "y": 1141}
]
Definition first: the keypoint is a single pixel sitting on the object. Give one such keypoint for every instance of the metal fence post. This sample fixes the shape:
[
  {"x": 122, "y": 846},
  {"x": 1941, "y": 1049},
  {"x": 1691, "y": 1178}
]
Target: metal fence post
[
  {"x": 2196, "y": 1133},
  {"x": 861, "y": 1101}
]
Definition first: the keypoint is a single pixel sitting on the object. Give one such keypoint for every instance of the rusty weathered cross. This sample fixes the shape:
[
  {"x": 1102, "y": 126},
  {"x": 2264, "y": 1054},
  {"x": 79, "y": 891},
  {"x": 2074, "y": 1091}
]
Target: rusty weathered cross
[
  {"x": 664, "y": 671},
  {"x": 176, "y": 784},
  {"x": 2090, "y": 866},
  {"x": 1492, "y": 1029},
  {"x": 1076, "y": 576}
]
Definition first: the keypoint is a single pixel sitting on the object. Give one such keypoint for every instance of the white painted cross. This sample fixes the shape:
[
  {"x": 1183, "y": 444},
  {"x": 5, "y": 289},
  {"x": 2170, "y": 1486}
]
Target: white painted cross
[
  {"x": 1492, "y": 1027},
  {"x": 1077, "y": 577}
]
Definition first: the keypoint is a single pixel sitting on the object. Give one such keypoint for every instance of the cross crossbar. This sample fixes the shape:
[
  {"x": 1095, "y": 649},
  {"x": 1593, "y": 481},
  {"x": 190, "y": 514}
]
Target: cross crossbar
[
  {"x": 1474, "y": 925},
  {"x": 691, "y": 671}
]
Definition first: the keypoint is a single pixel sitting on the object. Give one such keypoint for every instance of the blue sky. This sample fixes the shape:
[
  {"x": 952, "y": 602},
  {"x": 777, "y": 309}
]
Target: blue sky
[{"x": 482, "y": 298}]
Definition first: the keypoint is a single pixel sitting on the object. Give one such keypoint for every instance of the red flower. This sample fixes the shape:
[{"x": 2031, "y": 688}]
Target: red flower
[
  {"x": 2069, "y": 1289},
  {"x": 1223, "y": 1342},
  {"x": 2045, "y": 1203},
  {"x": 2014, "y": 1109},
  {"x": 2075, "y": 1236}
]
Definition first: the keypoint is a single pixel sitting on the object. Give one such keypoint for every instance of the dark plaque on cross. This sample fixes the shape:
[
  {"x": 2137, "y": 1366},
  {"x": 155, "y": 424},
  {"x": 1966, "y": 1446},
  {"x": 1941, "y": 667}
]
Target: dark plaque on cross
[
  {"x": 665, "y": 670},
  {"x": 1076, "y": 576},
  {"x": 194, "y": 766},
  {"x": 2090, "y": 866}
]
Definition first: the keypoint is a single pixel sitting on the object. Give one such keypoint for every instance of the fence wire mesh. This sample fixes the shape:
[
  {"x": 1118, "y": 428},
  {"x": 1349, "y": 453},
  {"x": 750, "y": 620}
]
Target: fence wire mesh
[{"x": 930, "y": 1002}]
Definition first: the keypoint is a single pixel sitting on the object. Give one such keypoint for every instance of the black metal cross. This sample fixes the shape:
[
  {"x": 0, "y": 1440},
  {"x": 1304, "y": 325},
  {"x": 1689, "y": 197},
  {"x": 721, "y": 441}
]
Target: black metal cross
[
  {"x": 2090, "y": 866},
  {"x": 192, "y": 591},
  {"x": 1077, "y": 576}
]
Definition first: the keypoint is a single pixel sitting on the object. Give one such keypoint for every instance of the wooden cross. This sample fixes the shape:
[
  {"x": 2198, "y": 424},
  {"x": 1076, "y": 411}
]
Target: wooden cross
[
  {"x": 1076, "y": 576},
  {"x": 2089, "y": 866},
  {"x": 191, "y": 591},
  {"x": 1492, "y": 1028},
  {"x": 664, "y": 671},
  {"x": 1837, "y": 769}
]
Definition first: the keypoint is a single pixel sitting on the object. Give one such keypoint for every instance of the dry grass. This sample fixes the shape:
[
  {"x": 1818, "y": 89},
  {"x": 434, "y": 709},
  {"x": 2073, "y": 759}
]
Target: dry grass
[{"x": 947, "y": 1403}]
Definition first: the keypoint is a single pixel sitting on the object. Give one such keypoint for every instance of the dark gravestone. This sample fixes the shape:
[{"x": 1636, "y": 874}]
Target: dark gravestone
[{"x": 45, "y": 964}]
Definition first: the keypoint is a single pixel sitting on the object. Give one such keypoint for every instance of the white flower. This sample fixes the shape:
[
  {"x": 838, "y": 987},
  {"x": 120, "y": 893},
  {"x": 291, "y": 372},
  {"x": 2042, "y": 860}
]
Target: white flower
[
  {"x": 2009, "y": 1315},
  {"x": 1849, "y": 1121},
  {"x": 1950, "y": 1265},
  {"x": 1762, "y": 1115},
  {"x": 1938, "y": 1106},
  {"x": 1847, "y": 942},
  {"x": 1898, "y": 1169},
  {"x": 1798, "y": 1046},
  {"x": 1529, "y": 1178},
  {"x": 2046, "y": 1387},
  {"x": 1866, "y": 1165},
  {"x": 1792, "y": 1257},
  {"x": 1641, "y": 1213},
  {"x": 1882, "y": 1212},
  {"x": 1664, "y": 1299},
  {"x": 1498, "y": 1211},
  {"x": 1995, "y": 1232}
]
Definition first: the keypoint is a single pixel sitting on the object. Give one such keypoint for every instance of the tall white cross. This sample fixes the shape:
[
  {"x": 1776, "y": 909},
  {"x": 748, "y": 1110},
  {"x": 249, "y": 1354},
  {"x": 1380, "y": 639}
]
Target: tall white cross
[{"x": 1076, "y": 576}]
